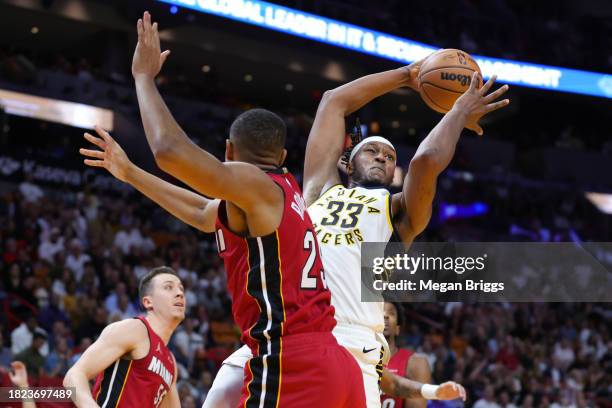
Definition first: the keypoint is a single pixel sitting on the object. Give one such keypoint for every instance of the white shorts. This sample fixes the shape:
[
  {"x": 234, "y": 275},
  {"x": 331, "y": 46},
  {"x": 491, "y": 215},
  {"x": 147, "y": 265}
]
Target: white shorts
[{"x": 369, "y": 348}]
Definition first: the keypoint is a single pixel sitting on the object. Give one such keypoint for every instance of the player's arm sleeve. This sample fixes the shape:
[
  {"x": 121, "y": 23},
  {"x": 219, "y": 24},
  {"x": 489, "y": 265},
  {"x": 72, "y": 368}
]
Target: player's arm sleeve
[
  {"x": 412, "y": 207},
  {"x": 115, "y": 340},
  {"x": 189, "y": 207},
  {"x": 417, "y": 369},
  {"x": 241, "y": 183},
  {"x": 325, "y": 143}
]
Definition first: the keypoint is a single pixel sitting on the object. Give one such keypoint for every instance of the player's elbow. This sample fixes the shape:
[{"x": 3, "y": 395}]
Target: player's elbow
[
  {"x": 68, "y": 380},
  {"x": 332, "y": 100},
  {"x": 426, "y": 161},
  {"x": 164, "y": 155}
]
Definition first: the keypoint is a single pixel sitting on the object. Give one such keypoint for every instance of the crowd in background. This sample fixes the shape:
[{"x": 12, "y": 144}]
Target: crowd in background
[{"x": 71, "y": 255}]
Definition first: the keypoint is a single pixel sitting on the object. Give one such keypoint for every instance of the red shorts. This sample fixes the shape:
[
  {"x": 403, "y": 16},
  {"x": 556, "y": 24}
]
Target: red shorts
[{"x": 313, "y": 371}]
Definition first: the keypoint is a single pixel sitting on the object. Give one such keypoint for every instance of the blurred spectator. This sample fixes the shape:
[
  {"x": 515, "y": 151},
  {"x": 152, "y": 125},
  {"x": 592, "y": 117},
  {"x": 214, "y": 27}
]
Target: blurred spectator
[
  {"x": 124, "y": 310},
  {"x": 129, "y": 237},
  {"x": 30, "y": 191},
  {"x": 57, "y": 362},
  {"x": 5, "y": 353},
  {"x": 32, "y": 356},
  {"x": 187, "y": 342},
  {"x": 78, "y": 352},
  {"x": 52, "y": 313},
  {"x": 76, "y": 259},
  {"x": 563, "y": 354},
  {"x": 51, "y": 247},
  {"x": 22, "y": 336},
  {"x": 487, "y": 400}
]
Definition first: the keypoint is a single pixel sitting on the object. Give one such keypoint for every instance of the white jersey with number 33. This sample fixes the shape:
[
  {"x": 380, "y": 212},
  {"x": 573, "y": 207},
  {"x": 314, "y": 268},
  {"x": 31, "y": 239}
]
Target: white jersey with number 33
[{"x": 344, "y": 218}]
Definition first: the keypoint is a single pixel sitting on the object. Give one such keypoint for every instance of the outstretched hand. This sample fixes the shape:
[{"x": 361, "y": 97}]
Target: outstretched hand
[
  {"x": 148, "y": 58},
  {"x": 111, "y": 157},
  {"x": 18, "y": 374},
  {"x": 475, "y": 102},
  {"x": 450, "y": 390}
]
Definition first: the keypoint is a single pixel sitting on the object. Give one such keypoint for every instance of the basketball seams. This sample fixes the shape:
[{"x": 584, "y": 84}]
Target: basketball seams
[
  {"x": 430, "y": 99},
  {"x": 444, "y": 89}
]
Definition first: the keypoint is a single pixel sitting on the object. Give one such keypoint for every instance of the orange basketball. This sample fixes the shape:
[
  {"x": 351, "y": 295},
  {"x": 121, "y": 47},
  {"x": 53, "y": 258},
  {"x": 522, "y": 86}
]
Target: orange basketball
[{"x": 444, "y": 76}]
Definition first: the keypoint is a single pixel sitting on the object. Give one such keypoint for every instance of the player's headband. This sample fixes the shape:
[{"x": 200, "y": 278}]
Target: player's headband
[{"x": 370, "y": 139}]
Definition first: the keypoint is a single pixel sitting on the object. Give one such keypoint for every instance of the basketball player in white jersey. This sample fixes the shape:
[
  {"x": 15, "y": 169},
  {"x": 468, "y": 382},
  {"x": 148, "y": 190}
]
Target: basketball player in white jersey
[{"x": 365, "y": 211}]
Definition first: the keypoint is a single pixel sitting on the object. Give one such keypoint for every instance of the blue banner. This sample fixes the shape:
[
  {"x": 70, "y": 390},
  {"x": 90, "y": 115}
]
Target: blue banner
[{"x": 364, "y": 40}]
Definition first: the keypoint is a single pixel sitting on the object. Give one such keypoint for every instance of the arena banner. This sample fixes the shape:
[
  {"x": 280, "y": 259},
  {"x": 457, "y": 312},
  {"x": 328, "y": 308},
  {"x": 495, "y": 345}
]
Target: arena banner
[
  {"x": 487, "y": 272},
  {"x": 14, "y": 169},
  {"x": 360, "y": 39}
]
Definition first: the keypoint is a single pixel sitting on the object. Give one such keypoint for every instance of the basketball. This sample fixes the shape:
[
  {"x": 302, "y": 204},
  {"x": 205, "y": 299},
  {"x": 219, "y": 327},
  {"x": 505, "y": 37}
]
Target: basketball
[{"x": 444, "y": 76}]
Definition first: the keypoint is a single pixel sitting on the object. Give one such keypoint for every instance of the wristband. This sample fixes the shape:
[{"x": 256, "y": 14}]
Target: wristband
[{"x": 428, "y": 391}]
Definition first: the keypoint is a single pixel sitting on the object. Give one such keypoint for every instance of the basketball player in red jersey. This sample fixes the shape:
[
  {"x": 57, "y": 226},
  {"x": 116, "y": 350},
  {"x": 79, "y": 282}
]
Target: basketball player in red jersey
[
  {"x": 267, "y": 241},
  {"x": 404, "y": 362},
  {"x": 133, "y": 365}
]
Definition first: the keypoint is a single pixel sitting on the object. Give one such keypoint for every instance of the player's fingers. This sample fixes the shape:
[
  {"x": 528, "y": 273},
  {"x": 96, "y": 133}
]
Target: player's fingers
[
  {"x": 147, "y": 23},
  {"x": 476, "y": 128},
  {"x": 485, "y": 88},
  {"x": 164, "y": 56},
  {"x": 95, "y": 140},
  {"x": 496, "y": 105},
  {"x": 462, "y": 393},
  {"x": 473, "y": 82},
  {"x": 92, "y": 153},
  {"x": 495, "y": 94},
  {"x": 16, "y": 365},
  {"x": 103, "y": 134},
  {"x": 140, "y": 28},
  {"x": 94, "y": 163}
]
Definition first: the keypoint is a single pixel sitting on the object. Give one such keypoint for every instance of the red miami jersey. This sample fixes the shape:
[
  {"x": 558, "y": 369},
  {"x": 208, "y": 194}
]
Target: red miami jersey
[
  {"x": 276, "y": 282},
  {"x": 137, "y": 383},
  {"x": 397, "y": 365}
]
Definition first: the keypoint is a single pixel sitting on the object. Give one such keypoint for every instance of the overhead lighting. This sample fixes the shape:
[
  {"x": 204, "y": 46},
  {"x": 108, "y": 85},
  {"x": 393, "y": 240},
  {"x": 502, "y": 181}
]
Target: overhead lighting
[
  {"x": 205, "y": 68},
  {"x": 395, "y": 124},
  {"x": 403, "y": 107},
  {"x": 173, "y": 10},
  {"x": 248, "y": 78},
  {"x": 288, "y": 87},
  {"x": 34, "y": 30}
]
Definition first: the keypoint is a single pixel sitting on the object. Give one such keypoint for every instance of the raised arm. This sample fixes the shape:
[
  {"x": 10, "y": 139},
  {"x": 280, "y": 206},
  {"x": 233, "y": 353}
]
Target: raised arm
[
  {"x": 412, "y": 207},
  {"x": 241, "y": 183},
  {"x": 18, "y": 375},
  {"x": 326, "y": 140},
  {"x": 189, "y": 207},
  {"x": 116, "y": 340}
]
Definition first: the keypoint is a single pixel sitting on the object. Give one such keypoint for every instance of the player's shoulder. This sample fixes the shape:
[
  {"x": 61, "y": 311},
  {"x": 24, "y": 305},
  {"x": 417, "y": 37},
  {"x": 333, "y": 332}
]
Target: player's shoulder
[{"x": 127, "y": 330}]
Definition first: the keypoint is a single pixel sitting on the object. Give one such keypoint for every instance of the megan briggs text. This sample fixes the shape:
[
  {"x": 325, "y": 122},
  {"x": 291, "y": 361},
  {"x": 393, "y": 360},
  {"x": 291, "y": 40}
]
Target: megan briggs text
[{"x": 467, "y": 285}]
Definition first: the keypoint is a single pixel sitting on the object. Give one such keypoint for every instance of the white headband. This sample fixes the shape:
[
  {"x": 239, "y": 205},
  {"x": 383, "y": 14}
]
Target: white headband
[{"x": 370, "y": 139}]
